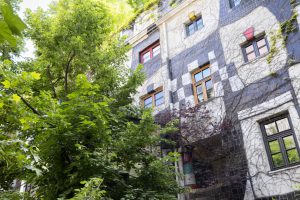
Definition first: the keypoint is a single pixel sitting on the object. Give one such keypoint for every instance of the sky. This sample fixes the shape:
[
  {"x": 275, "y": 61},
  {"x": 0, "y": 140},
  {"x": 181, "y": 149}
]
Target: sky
[{"x": 33, "y": 5}]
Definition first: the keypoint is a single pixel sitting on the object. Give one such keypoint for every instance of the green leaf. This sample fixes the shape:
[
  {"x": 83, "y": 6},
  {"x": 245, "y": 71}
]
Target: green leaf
[
  {"x": 15, "y": 24},
  {"x": 16, "y": 98},
  {"x": 6, "y": 34},
  {"x": 6, "y": 84}
]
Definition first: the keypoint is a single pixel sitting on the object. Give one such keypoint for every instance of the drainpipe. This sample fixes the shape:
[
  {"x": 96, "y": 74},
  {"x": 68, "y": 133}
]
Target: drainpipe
[
  {"x": 179, "y": 163},
  {"x": 167, "y": 60}
]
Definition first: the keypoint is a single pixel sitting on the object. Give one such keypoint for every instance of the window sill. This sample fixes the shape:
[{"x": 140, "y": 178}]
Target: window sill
[
  {"x": 205, "y": 102},
  {"x": 283, "y": 169},
  {"x": 142, "y": 63},
  {"x": 197, "y": 31},
  {"x": 256, "y": 59}
]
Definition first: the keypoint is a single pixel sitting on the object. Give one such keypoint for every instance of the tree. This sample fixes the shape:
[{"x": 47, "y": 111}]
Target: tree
[{"x": 67, "y": 117}]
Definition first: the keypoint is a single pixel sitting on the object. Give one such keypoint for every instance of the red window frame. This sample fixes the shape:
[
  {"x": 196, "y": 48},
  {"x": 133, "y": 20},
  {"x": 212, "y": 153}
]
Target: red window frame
[{"x": 149, "y": 49}]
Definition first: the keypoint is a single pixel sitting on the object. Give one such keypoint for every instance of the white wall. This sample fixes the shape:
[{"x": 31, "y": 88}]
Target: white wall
[
  {"x": 232, "y": 37},
  {"x": 265, "y": 181},
  {"x": 294, "y": 73},
  {"x": 176, "y": 30}
]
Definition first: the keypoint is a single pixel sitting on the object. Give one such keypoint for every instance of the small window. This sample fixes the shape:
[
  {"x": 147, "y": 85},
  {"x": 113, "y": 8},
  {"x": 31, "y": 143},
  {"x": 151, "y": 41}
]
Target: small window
[
  {"x": 153, "y": 99},
  {"x": 194, "y": 26},
  {"x": 202, "y": 84},
  {"x": 234, "y": 3},
  {"x": 282, "y": 148},
  {"x": 255, "y": 48},
  {"x": 150, "y": 52}
]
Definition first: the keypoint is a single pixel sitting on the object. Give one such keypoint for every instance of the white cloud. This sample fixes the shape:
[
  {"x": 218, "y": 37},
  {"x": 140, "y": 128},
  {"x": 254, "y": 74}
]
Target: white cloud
[{"x": 33, "y": 5}]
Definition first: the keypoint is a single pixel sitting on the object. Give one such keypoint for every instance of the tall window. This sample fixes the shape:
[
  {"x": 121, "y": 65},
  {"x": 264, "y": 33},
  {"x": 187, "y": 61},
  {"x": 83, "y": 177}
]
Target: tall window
[
  {"x": 234, "y": 3},
  {"x": 153, "y": 99},
  {"x": 202, "y": 84},
  {"x": 255, "y": 48},
  {"x": 150, "y": 52},
  {"x": 281, "y": 144},
  {"x": 194, "y": 26}
]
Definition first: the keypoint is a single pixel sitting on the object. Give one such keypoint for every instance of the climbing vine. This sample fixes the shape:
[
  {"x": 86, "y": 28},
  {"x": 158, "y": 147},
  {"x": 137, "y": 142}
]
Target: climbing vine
[
  {"x": 147, "y": 6},
  {"x": 285, "y": 29}
]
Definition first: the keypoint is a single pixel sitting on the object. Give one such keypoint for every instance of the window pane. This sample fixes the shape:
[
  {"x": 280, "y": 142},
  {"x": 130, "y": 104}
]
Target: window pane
[
  {"x": 156, "y": 50},
  {"x": 159, "y": 98},
  {"x": 148, "y": 102},
  {"x": 263, "y": 50},
  {"x": 199, "y": 23},
  {"x": 159, "y": 95},
  {"x": 277, "y": 160},
  {"x": 208, "y": 85},
  {"x": 159, "y": 102},
  {"x": 198, "y": 76},
  {"x": 200, "y": 98},
  {"x": 289, "y": 142},
  {"x": 191, "y": 29},
  {"x": 146, "y": 56},
  {"x": 209, "y": 94},
  {"x": 249, "y": 49},
  {"x": 293, "y": 156},
  {"x": 251, "y": 56},
  {"x": 283, "y": 125},
  {"x": 206, "y": 72},
  {"x": 274, "y": 146},
  {"x": 271, "y": 128},
  {"x": 199, "y": 89},
  {"x": 200, "y": 93},
  {"x": 261, "y": 43}
]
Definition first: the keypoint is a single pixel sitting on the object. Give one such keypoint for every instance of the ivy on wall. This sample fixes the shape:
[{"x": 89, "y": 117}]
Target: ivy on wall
[
  {"x": 146, "y": 6},
  {"x": 285, "y": 29}
]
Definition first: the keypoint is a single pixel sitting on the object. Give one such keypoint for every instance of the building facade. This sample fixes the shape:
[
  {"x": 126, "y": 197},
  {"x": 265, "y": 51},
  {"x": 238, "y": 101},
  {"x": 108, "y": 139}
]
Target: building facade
[{"x": 237, "y": 61}]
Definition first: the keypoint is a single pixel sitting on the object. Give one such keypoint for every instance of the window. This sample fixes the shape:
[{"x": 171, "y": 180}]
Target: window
[
  {"x": 153, "y": 99},
  {"x": 194, "y": 26},
  {"x": 255, "y": 48},
  {"x": 150, "y": 52},
  {"x": 282, "y": 148},
  {"x": 202, "y": 84},
  {"x": 234, "y": 3}
]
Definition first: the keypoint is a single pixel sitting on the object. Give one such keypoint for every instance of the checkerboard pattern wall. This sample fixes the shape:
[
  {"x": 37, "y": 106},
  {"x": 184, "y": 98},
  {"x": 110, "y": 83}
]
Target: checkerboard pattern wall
[{"x": 182, "y": 89}]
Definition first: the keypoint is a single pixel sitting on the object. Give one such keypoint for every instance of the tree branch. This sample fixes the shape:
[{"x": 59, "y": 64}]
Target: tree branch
[
  {"x": 28, "y": 105},
  {"x": 51, "y": 78},
  {"x": 67, "y": 68}
]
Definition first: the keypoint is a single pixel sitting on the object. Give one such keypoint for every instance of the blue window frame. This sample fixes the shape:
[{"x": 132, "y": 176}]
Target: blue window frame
[
  {"x": 194, "y": 26},
  {"x": 255, "y": 48}
]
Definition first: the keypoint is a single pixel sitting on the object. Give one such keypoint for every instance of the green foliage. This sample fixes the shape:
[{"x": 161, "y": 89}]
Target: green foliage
[
  {"x": 139, "y": 7},
  {"x": 67, "y": 117},
  {"x": 13, "y": 195},
  {"x": 286, "y": 28},
  {"x": 91, "y": 190},
  {"x": 137, "y": 4},
  {"x": 10, "y": 24}
]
